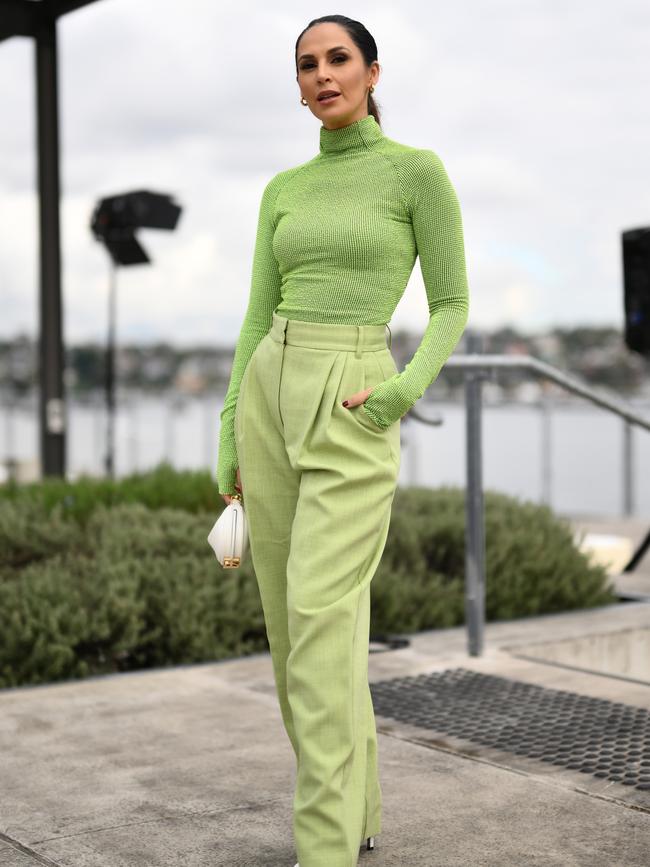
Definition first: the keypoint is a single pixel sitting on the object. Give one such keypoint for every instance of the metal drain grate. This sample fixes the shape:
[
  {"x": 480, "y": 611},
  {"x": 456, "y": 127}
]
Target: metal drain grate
[{"x": 592, "y": 735}]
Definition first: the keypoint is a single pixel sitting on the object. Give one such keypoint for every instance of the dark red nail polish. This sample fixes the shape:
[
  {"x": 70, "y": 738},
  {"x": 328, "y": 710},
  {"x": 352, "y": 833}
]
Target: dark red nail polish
[{"x": 345, "y": 403}]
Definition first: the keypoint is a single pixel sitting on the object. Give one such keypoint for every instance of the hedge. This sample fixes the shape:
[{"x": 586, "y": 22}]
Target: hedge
[{"x": 100, "y": 576}]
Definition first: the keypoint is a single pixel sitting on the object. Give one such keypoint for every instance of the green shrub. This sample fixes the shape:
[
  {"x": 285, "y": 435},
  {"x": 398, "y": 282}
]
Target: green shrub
[
  {"x": 28, "y": 533},
  {"x": 97, "y": 577},
  {"x": 532, "y": 565},
  {"x": 69, "y": 616},
  {"x": 138, "y": 588},
  {"x": 164, "y": 487}
]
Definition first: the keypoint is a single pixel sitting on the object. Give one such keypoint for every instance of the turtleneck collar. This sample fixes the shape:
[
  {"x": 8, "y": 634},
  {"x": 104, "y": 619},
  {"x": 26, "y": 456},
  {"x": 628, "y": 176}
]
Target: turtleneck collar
[{"x": 356, "y": 136}]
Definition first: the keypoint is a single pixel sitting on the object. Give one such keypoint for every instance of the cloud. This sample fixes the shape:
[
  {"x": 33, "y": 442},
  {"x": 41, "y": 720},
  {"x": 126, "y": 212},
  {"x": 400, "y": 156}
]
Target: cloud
[{"x": 535, "y": 110}]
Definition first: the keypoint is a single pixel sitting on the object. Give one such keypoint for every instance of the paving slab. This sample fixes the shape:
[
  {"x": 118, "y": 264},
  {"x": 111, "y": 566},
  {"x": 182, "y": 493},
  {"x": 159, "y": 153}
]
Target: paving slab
[{"x": 190, "y": 765}]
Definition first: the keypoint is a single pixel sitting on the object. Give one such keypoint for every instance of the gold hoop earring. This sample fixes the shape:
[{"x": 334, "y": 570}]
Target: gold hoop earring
[
  {"x": 303, "y": 100},
  {"x": 372, "y": 87}
]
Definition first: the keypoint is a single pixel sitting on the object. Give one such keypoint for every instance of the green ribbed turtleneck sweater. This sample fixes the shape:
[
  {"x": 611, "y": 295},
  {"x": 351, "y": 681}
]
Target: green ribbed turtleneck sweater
[{"x": 337, "y": 239}]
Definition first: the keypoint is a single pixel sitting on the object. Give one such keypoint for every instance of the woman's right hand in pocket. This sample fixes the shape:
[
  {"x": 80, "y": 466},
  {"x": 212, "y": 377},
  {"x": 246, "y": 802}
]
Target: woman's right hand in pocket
[{"x": 238, "y": 488}]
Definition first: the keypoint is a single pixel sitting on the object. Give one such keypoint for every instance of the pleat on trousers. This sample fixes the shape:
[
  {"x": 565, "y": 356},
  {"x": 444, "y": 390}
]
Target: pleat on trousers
[{"x": 318, "y": 482}]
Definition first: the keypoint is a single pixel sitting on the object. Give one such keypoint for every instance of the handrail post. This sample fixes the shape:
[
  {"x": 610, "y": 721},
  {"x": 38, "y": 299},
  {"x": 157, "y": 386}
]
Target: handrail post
[
  {"x": 474, "y": 518},
  {"x": 547, "y": 448},
  {"x": 628, "y": 469}
]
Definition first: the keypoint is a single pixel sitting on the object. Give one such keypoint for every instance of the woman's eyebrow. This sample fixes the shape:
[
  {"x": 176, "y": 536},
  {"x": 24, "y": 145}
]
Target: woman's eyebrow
[{"x": 329, "y": 51}]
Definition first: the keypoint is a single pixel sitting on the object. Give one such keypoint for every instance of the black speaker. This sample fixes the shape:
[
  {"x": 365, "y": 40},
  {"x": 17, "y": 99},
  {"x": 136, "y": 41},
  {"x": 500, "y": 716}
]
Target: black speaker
[{"x": 636, "y": 285}]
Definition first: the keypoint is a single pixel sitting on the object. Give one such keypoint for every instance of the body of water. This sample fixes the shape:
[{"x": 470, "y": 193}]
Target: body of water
[{"x": 585, "y": 446}]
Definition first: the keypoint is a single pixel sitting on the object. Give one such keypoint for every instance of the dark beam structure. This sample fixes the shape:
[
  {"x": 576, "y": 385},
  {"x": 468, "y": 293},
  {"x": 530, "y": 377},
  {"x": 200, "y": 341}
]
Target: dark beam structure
[{"x": 37, "y": 19}]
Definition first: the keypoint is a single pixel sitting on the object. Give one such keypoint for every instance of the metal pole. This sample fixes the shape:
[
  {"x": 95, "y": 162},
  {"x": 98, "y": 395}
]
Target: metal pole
[
  {"x": 10, "y": 460},
  {"x": 97, "y": 407},
  {"x": 628, "y": 472},
  {"x": 51, "y": 354},
  {"x": 547, "y": 464},
  {"x": 133, "y": 431},
  {"x": 169, "y": 427},
  {"x": 474, "y": 519},
  {"x": 110, "y": 375}
]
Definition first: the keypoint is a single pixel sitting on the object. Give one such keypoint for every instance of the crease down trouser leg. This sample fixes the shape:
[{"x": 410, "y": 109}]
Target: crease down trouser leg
[
  {"x": 270, "y": 491},
  {"x": 337, "y": 801},
  {"x": 318, "y": 482}
]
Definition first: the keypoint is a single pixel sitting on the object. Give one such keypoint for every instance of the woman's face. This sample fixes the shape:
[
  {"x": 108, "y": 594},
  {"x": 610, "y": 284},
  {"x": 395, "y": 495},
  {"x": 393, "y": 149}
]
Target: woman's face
[{"x": 328, "y": 59}]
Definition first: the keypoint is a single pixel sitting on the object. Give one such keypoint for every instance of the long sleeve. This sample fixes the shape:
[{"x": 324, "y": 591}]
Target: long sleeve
[
  {"x": 437, "y": 228},
  {"x": 264, "y": 297}
]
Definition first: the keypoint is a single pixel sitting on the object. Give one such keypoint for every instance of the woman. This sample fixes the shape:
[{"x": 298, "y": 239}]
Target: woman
[{"x": 310, "y": 428}]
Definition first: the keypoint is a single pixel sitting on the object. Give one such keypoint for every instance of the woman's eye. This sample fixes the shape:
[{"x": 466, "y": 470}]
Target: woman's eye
[{"x": 336, "y": 57}]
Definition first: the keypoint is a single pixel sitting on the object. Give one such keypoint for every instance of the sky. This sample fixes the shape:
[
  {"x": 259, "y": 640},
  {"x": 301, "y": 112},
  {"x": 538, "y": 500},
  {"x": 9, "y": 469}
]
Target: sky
[{"x": 537, "y": 109}]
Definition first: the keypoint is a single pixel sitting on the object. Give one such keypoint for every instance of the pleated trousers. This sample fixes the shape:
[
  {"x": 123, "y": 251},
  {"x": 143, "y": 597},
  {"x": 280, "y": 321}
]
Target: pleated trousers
[{"x": 318, "y": 483}]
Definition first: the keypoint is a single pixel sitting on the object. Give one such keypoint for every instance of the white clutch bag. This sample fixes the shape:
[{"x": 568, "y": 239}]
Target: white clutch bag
[{"x": 229, "y": 536}]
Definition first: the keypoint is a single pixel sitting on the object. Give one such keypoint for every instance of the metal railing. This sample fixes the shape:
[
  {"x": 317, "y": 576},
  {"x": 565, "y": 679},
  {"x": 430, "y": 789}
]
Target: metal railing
[{"x": 479, "y": 366}]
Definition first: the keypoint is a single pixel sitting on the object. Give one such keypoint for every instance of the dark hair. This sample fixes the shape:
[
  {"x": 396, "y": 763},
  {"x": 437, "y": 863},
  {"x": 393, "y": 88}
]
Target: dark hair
[{"x": 361, "y": 38}]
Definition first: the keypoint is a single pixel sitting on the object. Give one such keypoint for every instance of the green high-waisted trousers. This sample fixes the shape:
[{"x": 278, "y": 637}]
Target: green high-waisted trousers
[{"x": 318, "y": 481}]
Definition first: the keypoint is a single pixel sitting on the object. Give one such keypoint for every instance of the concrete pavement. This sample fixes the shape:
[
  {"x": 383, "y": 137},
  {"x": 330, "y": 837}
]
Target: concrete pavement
[{"x": 191, "y": 766}]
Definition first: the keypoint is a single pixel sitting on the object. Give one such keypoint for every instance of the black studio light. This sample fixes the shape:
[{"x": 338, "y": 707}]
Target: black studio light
[
  {"x": 114, "y": 223},
  {"x": 116, "y": 219}
]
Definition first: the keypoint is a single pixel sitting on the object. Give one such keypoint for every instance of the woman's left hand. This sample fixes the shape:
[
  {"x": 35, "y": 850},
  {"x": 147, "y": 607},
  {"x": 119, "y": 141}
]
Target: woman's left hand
[{"x": 356, "y": 399}]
